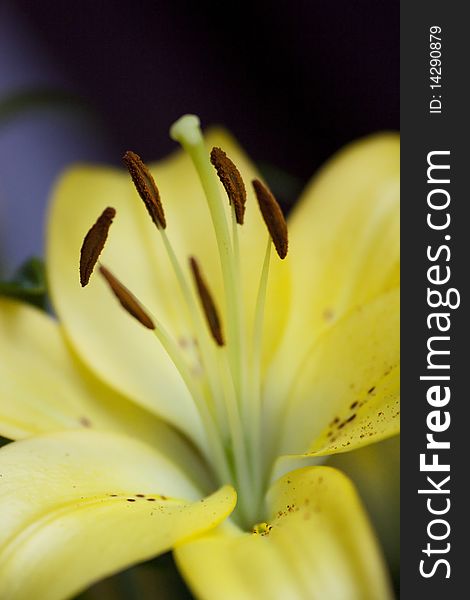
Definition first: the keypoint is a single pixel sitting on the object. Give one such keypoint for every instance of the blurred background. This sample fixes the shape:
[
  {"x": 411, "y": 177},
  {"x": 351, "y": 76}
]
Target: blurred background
[
  {"x": 293, "y": 80},
  {"x": 84, "y": 81}
]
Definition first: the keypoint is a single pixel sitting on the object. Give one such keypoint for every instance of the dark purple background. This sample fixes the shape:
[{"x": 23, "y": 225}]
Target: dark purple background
[{"x": 294, "y": 81}]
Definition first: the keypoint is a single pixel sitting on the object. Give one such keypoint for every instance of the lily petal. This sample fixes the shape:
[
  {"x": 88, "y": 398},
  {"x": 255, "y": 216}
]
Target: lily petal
[
  {"x": 344, "y": 246},
  {"x": 45, "y": 388},
  {"x": 78, "y": 506},
  {"x": 317, "y": 544},
  {"x": 349, "y": 384},
  {"x": 127, "y": 356}
]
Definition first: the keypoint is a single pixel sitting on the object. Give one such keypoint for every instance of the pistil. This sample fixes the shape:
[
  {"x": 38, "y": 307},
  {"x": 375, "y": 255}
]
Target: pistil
[{"x": 187, "y": 132}]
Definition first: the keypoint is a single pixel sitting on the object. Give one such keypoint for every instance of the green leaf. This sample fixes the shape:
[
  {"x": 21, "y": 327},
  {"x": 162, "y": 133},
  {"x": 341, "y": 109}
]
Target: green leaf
[
  {"x": 16, "y": 103},
  {"x": 28, "y": 284}
]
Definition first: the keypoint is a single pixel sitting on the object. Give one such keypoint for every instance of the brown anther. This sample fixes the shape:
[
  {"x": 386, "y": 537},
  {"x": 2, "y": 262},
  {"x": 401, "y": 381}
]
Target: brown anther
[
  {"x": 210, "y": 311},
  {"x": 146, "y": 187},
  {"x": 93, "y": 244},
  {"x": 232, "y": 181},
  {"x": 273, "y": 217},
  {"x": 127, "y": 300}
]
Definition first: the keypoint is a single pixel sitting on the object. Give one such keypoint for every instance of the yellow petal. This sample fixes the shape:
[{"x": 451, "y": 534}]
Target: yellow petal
[
  {"x": 62, "y": 526},
  {"x": 347, "y": 394},
  {"x": 111, "y": 343},
  {"x": 316, "y": 545},
  {"x": 344, "y": 247},
  {"x": 44, "y": 388}
]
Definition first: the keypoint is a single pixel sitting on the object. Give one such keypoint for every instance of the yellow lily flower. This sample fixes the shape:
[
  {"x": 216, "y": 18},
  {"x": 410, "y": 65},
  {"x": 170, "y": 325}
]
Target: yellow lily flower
[{"x": 202, "y": 430}]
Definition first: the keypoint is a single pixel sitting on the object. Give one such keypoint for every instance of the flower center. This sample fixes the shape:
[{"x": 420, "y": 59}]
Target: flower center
[{"x": 226, "y": 385}]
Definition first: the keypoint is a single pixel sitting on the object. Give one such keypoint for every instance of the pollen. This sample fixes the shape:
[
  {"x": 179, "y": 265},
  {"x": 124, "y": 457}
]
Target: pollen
[
  {"x": 262, "y": 529},
  {"x": 232, "y": 181},
  {"x": 93, "y": 244},
  {"x": 146, "y": 187},
  {"x": 207, "y": 302},
  {"x": 273, "y": 217},
  {"x": 127, "y": 300}
]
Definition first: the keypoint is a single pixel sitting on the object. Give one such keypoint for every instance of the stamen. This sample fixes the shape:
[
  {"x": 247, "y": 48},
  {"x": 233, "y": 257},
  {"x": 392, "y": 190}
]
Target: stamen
[
  {"x": 273, "y": 217},
  {"x": 231, "y": 180},
  {"x": 208, "y": 305},
  {"x": 255, "y": 422},
  {"x": 93, "y": 244},
  {"x": 146, "y": 187},
  {"x": 127, "y": 300},
  {"x": 202, "y": 335},
  {"x": 130, "y": 303}
]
